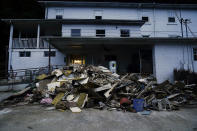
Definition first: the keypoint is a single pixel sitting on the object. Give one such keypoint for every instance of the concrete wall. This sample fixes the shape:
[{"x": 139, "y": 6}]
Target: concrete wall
[
  {"x": 157, "y": 26},
  {"x": 168, "y": 57},
  {"x": 36, "y": 60}
]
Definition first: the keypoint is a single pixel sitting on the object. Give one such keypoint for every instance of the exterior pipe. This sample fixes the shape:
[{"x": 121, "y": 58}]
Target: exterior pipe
[
  {"x": 38, "y": 36},
  {"x": 10, "y": 46},
  {"x": 49, "y": 56}
]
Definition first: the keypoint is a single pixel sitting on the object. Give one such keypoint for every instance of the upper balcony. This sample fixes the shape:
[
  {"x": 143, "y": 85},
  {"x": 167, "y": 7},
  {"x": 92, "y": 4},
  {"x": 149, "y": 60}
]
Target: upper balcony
[
  {"x": 32, "y": 28},
  {"x": 29, "y": 43}
]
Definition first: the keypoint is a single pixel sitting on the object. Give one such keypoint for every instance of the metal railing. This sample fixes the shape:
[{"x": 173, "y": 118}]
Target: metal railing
[
  {"x": 29, "y": 43},
  {"x": 29, "y": 74}
]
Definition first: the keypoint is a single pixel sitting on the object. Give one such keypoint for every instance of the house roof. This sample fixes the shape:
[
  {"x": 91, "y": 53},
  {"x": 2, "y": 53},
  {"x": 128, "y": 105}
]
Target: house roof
[{"x": 118, "y": 4}]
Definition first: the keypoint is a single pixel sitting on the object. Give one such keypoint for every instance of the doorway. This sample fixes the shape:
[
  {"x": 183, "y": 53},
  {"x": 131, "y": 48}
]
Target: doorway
[{"x": 75, "y": 59}]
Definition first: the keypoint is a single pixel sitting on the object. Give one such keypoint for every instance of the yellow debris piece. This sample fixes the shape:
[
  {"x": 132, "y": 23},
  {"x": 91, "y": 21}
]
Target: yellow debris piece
[
  {"x": 57, "y": 98},
  {"x": 41, "y": 77},
  {"x": 67, "y": 72}
]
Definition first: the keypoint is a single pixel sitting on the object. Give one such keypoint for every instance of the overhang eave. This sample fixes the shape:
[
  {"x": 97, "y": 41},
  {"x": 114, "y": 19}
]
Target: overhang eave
[{"x": 63, "y": 42}]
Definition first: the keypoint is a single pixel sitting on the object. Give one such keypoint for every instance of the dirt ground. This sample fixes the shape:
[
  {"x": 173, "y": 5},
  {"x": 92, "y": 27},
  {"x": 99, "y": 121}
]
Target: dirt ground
[{"x": 35, "y": 117}]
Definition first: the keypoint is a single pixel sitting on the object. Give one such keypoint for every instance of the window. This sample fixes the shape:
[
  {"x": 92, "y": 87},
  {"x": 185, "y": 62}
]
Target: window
[
  {"x": 58, "y": 16},
  {"x": 195, "y": 54},
  {"x": 100, "y": 33},
  {"x": 98, "y": 14},
  {"x": 59, "y": 13},
  {"x": 145, "y": 36},
  {"x": 75, "y": 32},
  {"x": 145, "y": 18},
  {"x": 24, "y": 53},
  {"x": 171, "y": 19},
  {"x": 124, "y": 33},
  {"x": 98, "y": 17},
  {"x": 52, "y": 53},
  {"x": 173, "y": 36}
]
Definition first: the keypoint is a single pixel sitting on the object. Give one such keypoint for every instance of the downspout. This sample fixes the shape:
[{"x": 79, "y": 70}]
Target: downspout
[
  {"x": 46, "y": 13},
  {"x": 38, "y": 36},
  {"x": 10, "y": 46},
  {"x": 49, "y": 64},
  {"x": 154, "y": 19},
  {"x": 187, "y": 45}
]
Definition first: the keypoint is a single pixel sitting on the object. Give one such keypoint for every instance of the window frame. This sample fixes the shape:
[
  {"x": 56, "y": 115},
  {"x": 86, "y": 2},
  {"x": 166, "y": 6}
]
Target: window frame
[
  {"x": 195, "y": 53},
  {"x": 100, "y": 34},
  {"x": 171, "y": 17},
  {"x": 46, "y": 54},
  {"x": 25, "y": 53},
  {"x": 145, "y": 36},
  {"x": 98, "y": 17},
  {"x": 145, "y": 17},
  {"x": 75, "y": 34},
  {"x": 98, "y": 13},
  {"x": 124, "y": 35},
  {"x": 59, "y": 17}
]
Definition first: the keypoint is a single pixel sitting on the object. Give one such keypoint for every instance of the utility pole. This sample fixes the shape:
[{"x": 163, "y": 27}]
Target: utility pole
[
  {"x": 181, "y": 21},
  {"x": 186, "y": 21}
]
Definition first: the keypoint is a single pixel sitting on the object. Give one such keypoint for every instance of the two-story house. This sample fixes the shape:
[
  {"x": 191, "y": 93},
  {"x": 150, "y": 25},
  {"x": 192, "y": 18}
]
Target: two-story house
[{"x": 140, "y": 37}]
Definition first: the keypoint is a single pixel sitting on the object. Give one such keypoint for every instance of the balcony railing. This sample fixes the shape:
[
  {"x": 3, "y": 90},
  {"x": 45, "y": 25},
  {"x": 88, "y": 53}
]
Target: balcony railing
[{"x": 29, "y": 43}]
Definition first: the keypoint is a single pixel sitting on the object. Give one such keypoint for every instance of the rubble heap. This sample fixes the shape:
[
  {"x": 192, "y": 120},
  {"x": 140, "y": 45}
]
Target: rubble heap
[{"x": 76, "y": 87}]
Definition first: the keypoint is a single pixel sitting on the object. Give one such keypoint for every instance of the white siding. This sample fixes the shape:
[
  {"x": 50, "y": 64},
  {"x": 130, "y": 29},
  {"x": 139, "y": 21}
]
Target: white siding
[
  {"x": 89, "y": 13},
  {"x": 36, "y": 60},
  {"x": 168, "y": 57},
  {"x": 158, "y": 25},
  {"x": 90, "y": 30}
]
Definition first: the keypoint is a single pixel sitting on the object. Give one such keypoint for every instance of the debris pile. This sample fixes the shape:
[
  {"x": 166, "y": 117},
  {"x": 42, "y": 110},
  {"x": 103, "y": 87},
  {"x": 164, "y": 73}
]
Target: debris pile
[{"x": 77, "y": 87}]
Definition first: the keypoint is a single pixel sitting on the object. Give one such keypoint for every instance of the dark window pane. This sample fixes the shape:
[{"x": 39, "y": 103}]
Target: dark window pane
[
  {"x": 25, "y": 54},
  {"x": 124, "y": 33},
  {"x": 52, "y": 54},
  {"x": 100, "y": 33},
  {"x": 46, "y": 53},
  {"x": 195, "y": 57},
  {"x": 171, "y": 19},
  {"x": 22, "y": 54},
  {"x": 98, "y": 17},
  {"x": 145, "y": 18},
  {"x": 195, "y": 53},
  {"x": 145, "y": 36},
  {"x": 28, "y": 54},
  {"x": 75, "y": 32},
  {"x": 58, "y": 16},
  {"x": 195, "y": 50}
]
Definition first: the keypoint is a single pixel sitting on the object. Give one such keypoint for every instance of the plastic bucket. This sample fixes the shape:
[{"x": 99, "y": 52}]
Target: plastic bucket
[{"x": 138, "y": 104}]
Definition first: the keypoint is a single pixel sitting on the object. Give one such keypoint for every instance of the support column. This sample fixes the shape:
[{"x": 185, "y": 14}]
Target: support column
[
  {"x": 10, "y": 46},
  {"x": 49, "y": 63},
  {"x": 38, "y": 36}
]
